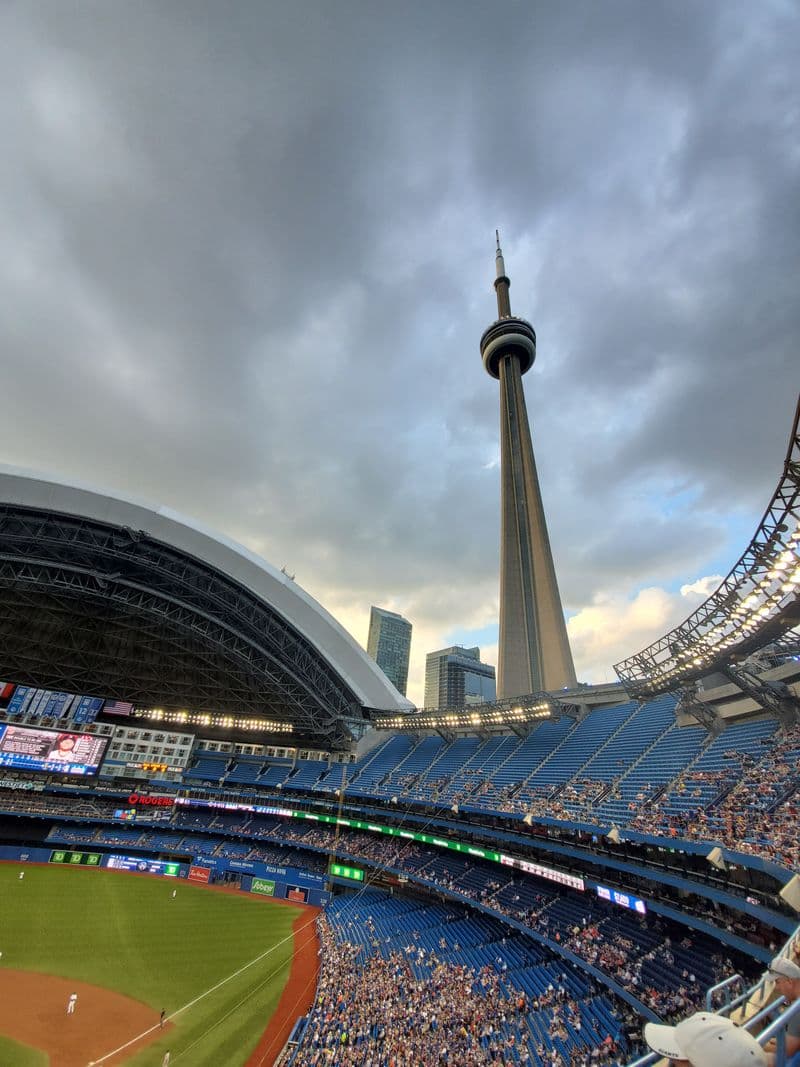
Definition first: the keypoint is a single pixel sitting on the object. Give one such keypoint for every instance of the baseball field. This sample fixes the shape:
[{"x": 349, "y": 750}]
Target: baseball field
[{"x": 215, "y": 962}]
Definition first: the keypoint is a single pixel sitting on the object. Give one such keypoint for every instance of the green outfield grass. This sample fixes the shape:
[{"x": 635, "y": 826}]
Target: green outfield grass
[
  {"x": 126, "y": 933},
  {"x": 13, "y": 1054}
]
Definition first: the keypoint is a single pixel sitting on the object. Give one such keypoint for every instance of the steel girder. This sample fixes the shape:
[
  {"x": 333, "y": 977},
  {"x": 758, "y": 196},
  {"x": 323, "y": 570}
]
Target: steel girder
[
  {"x": 756, "y": 603},
  {"x": 689, "y": 703},
  {"x": 774, "y": 696},
  {"x": 99, "y": 609}
]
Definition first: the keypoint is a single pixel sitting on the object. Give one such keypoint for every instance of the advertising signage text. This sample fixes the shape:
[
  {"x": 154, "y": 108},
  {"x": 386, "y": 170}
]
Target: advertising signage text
[
  {"x": 76, "y": 859},
  {"x": 146, "y": 800},
  {"x": 263, "y": 886}
]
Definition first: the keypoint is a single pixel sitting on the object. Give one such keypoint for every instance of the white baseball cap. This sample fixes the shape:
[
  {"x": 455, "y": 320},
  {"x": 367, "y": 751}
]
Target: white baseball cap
[
  {"x": 706, "y": 1040},
  {"x": 783, "y": 967}
]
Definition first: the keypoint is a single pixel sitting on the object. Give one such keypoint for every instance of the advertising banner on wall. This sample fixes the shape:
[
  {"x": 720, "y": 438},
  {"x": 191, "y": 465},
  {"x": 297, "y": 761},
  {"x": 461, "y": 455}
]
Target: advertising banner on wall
[
  {"x": 263, "y": 886},
  {"x": 81, "y": 859},
  {"x": 199, "y": 874}
]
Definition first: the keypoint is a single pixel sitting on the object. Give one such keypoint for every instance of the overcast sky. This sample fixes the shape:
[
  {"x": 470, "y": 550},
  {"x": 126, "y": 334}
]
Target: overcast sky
[{"x": 246, "y": 255}]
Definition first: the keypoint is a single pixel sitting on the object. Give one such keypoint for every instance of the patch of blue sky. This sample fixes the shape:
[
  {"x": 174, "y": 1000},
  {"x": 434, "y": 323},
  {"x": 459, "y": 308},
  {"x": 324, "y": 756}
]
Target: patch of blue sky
[
  {"x": 485, "y": 636},
  {"x": 739, "y": 531}
]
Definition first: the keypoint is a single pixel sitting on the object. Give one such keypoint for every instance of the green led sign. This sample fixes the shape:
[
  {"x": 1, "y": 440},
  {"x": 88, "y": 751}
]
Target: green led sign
[
  {"x": 84, "y": 859},
  {"x": 355, "y": 874}
]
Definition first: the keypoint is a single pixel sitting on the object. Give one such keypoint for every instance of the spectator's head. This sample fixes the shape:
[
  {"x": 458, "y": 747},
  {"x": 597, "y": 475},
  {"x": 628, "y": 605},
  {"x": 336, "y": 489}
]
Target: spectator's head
[
  {"x": 706, "y": 1040},
  {"x": 786, "y": 976}
]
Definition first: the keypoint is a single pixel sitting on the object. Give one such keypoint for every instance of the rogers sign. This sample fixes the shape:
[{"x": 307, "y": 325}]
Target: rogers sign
[{"x": 155, "y": 802}]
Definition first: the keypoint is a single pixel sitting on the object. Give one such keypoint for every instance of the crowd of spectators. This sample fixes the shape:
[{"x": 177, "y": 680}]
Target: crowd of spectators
[
  {"x": 377, "y": 1013},
  {"x": 593, "y": 940},
  {"x": 748, "y": 805},
  {"x": 754, "y": 808},
  {"x": 752, "y": 804}
]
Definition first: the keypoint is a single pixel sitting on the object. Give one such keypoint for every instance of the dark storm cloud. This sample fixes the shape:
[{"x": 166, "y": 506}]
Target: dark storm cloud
[{"x": 248, "y": 257}]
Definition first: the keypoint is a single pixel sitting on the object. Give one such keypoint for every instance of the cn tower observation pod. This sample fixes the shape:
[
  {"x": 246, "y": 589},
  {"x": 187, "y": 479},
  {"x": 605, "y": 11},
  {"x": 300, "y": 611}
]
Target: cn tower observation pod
[{"x": 111, "y": 596}]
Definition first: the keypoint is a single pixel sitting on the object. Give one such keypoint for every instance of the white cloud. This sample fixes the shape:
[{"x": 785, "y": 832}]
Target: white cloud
[{"x": 614, "y": 627}]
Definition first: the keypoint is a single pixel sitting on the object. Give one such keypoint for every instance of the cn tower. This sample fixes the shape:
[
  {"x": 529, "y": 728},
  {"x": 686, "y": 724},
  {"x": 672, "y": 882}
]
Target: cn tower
[{"x": 534, "y": 653}]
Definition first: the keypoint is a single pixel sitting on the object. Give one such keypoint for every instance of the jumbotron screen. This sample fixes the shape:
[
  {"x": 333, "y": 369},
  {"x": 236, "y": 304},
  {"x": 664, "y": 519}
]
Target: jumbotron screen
[{"x": 53, "y": 751}]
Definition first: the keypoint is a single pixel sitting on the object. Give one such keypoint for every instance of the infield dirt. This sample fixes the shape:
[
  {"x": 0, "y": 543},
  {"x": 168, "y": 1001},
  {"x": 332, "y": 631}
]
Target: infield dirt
[{"x": 33, "y": 1011}]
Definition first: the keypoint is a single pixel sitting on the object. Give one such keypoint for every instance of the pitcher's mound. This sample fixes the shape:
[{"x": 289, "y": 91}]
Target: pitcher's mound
[{"x": 33, "y": 1011}]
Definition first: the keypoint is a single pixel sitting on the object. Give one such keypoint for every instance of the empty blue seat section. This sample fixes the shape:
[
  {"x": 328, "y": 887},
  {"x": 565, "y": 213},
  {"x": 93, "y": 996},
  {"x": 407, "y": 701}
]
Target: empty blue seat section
[
  {"x": 576, "y": 748},
  {"x": 471, "y": 779},
  {"x": 306, "y": 773},
  {"x": 244, "y": 771},
  {"x": 367, "y": 775},
  {"x": 415, "y": 763},
  {"x": 522, "y": 760},
  {"x": 719, "y": 765},
  {"x": 639, "y": 730},
  {"x": 434, "y": 781},
  {"x": 275, "y": 773},
  {"x": 208, "y": 768}
]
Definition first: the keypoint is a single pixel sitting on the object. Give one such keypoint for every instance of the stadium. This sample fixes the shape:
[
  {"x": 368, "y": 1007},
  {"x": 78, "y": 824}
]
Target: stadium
[{"x": 229, "y": 838}]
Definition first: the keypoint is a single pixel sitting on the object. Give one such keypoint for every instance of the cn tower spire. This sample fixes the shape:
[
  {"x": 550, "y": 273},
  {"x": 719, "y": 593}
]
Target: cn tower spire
[
  {"x": 534, "y": 652},
  {"x": 502, "y": 282}
]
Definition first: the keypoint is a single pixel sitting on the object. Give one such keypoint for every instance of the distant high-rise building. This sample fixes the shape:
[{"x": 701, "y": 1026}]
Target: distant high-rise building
[
  {"x": 455, "y": 677},
  {"x": 389, "y": 644},
  {"x": 533, "y": 648}
]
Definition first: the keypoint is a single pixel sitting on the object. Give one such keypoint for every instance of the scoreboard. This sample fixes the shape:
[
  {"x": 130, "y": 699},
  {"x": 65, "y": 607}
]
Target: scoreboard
[
  {"x": 144, "y": 866},
  {"x": 54, "y": 751}
]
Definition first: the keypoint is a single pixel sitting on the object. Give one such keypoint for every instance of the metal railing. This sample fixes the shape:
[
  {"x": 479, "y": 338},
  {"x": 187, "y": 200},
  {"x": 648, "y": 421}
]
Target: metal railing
[{"x": 737, "y": 996}]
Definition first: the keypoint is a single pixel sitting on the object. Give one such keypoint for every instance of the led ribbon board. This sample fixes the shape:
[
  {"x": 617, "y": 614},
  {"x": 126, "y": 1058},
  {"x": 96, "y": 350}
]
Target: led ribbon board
[
  {"x": 537, "y": 869},
  {"x": 549, "y": 873},
  {"x": 144, "y": 866}
]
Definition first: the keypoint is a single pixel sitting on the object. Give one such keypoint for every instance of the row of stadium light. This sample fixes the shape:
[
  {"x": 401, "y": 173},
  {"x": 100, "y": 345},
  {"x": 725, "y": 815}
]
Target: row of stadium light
[
  {"x": 463, "y": 720},
  {"x": 764, "y": 600},
  {"x": 222, "y": 722}
]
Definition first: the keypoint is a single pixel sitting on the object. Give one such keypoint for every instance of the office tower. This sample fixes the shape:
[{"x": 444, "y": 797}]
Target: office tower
[
  {"x": 389, "y": 644},
  {"x": 534, "y": 652},
  {"x": 455, "y": 677}
]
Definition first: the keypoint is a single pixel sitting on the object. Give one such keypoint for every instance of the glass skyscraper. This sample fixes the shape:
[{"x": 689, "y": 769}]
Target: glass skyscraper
[
  {"x": 389, "y": 644},
  {"x": 455, "y": 677}
]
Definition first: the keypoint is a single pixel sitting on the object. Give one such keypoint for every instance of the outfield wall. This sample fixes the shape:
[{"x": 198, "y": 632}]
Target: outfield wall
[{"x": 280, "y": 883}]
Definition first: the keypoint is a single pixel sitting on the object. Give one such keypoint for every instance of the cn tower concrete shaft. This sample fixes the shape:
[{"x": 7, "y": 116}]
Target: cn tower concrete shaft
[{"x": 534, "y": 652}]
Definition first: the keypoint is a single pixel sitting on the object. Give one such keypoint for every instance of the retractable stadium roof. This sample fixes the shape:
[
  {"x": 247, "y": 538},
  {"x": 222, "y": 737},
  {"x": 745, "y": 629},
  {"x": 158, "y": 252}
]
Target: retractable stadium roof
[{"x": 110, "y": 596}]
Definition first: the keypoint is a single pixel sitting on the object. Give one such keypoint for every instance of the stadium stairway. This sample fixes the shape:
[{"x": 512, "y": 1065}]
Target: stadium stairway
[
  {"x": 520, "y": 762},
  {"x": 568, "y": 759},
  {"x": 366, "y": 774}
]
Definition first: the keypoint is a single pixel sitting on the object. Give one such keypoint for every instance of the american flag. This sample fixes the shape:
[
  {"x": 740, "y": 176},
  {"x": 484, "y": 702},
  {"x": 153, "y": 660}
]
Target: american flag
[{"x": 117, "y": 707}]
